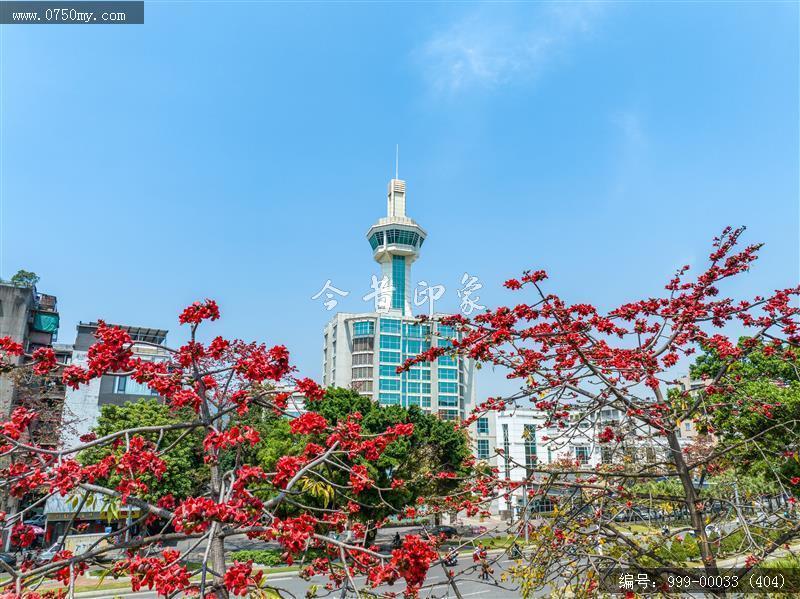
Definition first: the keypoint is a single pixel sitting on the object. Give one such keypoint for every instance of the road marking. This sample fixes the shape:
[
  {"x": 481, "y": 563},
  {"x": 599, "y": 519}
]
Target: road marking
[{"x": 475, "y": 593}]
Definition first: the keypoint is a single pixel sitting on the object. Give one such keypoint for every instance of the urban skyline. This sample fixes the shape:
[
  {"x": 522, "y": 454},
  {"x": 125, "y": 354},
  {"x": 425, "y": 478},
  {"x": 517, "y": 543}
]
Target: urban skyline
[{"x": 597, "y": 136}]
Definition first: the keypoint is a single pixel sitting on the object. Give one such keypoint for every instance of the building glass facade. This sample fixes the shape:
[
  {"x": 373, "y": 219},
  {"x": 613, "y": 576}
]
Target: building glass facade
[{"x": 362, "y": 351}]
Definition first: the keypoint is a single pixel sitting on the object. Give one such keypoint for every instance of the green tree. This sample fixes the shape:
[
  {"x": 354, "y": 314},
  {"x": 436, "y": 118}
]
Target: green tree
[
  {"x": 435, "y": 446},
  {"x": 25, "y": 278},
  {"x": 186, "y": 473},
  {"x": 759, "y": 412}
]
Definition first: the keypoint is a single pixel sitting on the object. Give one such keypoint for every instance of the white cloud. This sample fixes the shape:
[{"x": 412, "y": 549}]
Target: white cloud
[
  {"x": 631, "y": 145},
  {"x": 496, "y": 44}
]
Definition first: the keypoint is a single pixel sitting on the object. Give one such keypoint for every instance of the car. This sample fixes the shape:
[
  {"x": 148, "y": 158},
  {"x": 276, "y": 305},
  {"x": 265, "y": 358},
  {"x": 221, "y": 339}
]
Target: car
[
  {"x": 9, "y": 559},
  {"x": 39, "y": 521},
  {"x": 447, "y": 531},
  {"x": 46, "y": 556}
]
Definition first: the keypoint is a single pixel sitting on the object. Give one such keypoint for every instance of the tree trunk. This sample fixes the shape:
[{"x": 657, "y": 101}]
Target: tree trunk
[
  {"x": 217, "y": 553},
  {"x": 692, "y": 503}
]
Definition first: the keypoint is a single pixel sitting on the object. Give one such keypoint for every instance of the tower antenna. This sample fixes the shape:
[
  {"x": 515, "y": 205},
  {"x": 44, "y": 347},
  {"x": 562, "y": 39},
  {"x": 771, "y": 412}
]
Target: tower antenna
[{"x": 396, "y": 161}]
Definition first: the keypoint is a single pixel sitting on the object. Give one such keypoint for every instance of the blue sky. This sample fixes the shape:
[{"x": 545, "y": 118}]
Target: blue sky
[{"x": 241, "y": 151}]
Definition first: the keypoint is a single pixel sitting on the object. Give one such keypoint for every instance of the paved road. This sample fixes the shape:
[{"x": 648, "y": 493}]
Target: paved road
[{"x": 436, "y": 587}]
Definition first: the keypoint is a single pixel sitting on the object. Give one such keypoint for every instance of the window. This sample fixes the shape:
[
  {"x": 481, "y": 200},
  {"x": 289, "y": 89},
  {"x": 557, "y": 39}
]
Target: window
[
  {"x": 415, "y": 346},
  {"x": 390, "y": 342},
  {"x": 607, "y": 455},
  {"x": 687, "y": 426},
  {"x": 417, "y": 331},
  {"x": 506, "y": 451},
  {"x": 483, "y": 449},
  {"x": 582, "y": 454},
  {"x": 413, "y": 400},
  {"x": 426, "y": 388},
  {"x": 448, "y": 374},
  {"x": 445, "y": 387},
  {"x": 390, "y": 325},
  {"x": 413, "y": 387},
  {"x": 449, "y": 415},
  {"x": 446, "y": 331},
  {"x": 447, "y": 361},
  {"x": 363, "y": 344},
  {"x": 362, "y": 372},
  {"x": 376, "y": 240},
  {"x": 388, "y": 371},
  {"x": 389, "y": 398},
  {"x": 390, "y": 384},
  {"x": 362, "y": 359},
  {"x": 483, "y": 425},
  {"x": 363, "y": 328},
  {"x": 128, "y": 386},
  {"x": 399, "y": 280},
  {"x": 529, "y": 440},
  {"x": 363, "y": 386},
  {"x": 426, "y": 401},
  {"x": 400, "y": 237},
  {"x": 390, "y": 357},
  {"x": 448, "y": 401}
]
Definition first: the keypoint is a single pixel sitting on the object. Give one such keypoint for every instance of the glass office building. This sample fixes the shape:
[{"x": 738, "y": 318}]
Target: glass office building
[{"x": 363, "y": 351}]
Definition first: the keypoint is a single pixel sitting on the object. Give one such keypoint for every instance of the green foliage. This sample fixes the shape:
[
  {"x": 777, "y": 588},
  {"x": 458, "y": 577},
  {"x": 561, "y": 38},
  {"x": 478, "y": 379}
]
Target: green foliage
[
  {"x": 680, "y": 550},
  {"x": 186, "y": 473},
  {"x": 763, "y": 402},
  {"x": 25, "y": 278},
  {"x": 264, "y": 557},
  {"x": 271, "y": 557},
  {"x": 435, "y": 446}
]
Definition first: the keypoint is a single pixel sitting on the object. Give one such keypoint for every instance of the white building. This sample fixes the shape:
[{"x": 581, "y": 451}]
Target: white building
[
  {"x": 82, "y": 405},
  {"x": 526, "y": 442},
  {"x": 362, "y": 351}
]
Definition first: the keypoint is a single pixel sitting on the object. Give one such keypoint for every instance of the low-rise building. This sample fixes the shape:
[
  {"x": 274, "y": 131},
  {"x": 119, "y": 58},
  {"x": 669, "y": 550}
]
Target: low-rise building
[
  {"x": 82, "y": 405},
  {"x": 29, "y": 318}
]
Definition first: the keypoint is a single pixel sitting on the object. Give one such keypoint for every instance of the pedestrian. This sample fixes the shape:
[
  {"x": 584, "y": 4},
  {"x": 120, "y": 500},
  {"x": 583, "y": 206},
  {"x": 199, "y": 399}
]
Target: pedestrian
[{"x": 485, "y": 569}]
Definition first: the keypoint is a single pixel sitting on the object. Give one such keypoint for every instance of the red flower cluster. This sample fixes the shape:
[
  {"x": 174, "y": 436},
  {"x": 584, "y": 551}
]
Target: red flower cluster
[
  {"x": 164, "y": 574},
  {"x": 310, "y": 389},
  {"x": 308, "y": 423},
  {"x": 293, "y": 533},
  {"x": 44, "y": 360},
  {"x": 141, "y": 459},
  {"x": 410, "y": 562},
  {"x": 285, "y": 468},
  {"x": 216, "y": 440},
  {"x": 10, "y": 347},
  {"x": 360, "y": 479},
  {"x": 239, "y": 578},
  {"x": 195, "y": 514},
  {"x": 186, "y": 398},
  {"x": 257, "y": 364},
  {"x": 199, "y": 311},
  {"x": 66, "y": 574},
  {"x": 20, "y": 420}
]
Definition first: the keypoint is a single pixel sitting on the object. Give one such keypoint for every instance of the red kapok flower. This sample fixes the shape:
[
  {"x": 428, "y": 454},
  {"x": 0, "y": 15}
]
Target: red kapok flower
[
  {"x": 308, "y": 423},
  {"x": 199, "y": 311},
  {"x": 45, "y": 360}
]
